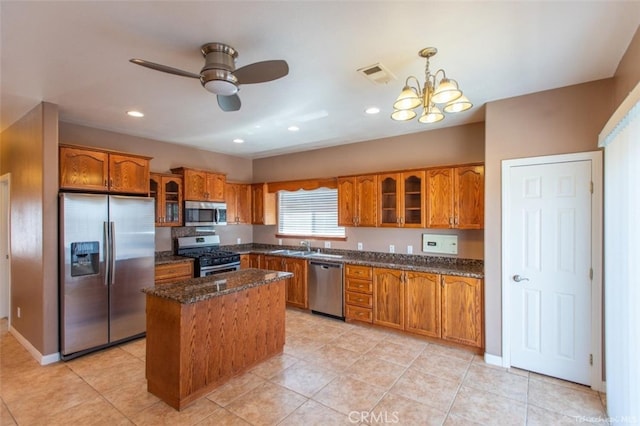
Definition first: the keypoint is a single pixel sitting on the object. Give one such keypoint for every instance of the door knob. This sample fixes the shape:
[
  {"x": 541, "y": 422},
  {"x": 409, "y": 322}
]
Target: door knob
[{"x": 518, "y": 278}]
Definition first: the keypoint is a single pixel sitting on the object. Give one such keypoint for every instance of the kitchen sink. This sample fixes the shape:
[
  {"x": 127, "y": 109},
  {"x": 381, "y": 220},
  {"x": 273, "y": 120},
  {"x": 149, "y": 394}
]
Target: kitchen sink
[{"x": 291, "y": 252}]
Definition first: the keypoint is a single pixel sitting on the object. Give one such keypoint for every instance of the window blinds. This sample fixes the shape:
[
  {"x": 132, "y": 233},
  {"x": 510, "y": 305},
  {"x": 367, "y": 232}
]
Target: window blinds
[{"x": 309, "y": 213}]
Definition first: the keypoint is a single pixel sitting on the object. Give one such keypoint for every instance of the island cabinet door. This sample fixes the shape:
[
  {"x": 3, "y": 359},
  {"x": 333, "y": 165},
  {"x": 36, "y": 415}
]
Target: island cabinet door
[
  {"x": 423, "y": 303},
  {"x": 388, "y": 297}
]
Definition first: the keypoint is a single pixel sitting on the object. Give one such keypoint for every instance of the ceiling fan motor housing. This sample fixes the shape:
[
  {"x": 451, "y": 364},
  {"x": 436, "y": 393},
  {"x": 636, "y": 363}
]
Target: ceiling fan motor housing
[{"x": 217, "y": 74}]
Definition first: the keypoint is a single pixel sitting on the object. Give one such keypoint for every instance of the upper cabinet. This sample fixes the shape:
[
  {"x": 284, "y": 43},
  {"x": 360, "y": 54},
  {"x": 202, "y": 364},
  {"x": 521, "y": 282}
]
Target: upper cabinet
[
  {"x": 263, "y": 207},
  {"x": 89, "y": 169},
  {"x": 455, "y": 197},
  {"x": 167, "y": 191},
  {"x": 238, "y": 199},
  {"x": 401, "y": 198},
  {"x": 358, "y": 200},
  {"x": 200, "y": 185}
]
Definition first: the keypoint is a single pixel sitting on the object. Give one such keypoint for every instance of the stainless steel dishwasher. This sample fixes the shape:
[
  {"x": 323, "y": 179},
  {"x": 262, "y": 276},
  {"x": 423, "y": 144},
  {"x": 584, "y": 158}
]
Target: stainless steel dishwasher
[{"x": 325, "y": 288}]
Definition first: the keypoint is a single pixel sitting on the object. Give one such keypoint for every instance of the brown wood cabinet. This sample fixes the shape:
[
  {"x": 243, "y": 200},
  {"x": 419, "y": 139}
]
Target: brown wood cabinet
[
  {"x": 358, "y": 200},
  {"x": 201, "y": 185},
  {"x": 263, "y": 207},
  {"x": 296, "y": 293},
  {"x": 422, "y": 303},
  {"x": 167, "y": 273},
  {"x": 166, "y": 189},
  {"x": 256, "y": 260},
  {"x": 402, "y": 199},
  {"x": 238, "y": 199},
  {"x": 245, "y": 261},
  {"x": 441, "y": 306},
  {"x": 388, "y": 297},
  {"x": 462, "y": 310},
  {"x": 358, "y": 296},
  {"x": 455, "y": 197},
  {"x": 90, "y": 169}
]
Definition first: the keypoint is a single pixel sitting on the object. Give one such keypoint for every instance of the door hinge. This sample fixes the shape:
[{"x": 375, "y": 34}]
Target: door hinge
[
  {"x": 591, "y": 187},
  {"x": 590, "y": 359},
  {"x": 591, "y": 273}
]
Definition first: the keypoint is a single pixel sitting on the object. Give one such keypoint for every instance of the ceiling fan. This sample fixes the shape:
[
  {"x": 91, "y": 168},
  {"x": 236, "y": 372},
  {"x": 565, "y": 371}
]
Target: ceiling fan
[{"x": 220, "y": 76}]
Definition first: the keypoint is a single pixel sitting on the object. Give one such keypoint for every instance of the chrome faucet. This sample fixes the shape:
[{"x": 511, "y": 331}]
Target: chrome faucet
[{"x": 307, "y": 244}]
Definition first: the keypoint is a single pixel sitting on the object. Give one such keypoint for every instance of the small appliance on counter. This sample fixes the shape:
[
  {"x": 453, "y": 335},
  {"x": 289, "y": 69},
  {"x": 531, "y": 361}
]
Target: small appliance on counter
[
  {"x": 107, "y": 249},
  {"x": 209, "y": 259}
]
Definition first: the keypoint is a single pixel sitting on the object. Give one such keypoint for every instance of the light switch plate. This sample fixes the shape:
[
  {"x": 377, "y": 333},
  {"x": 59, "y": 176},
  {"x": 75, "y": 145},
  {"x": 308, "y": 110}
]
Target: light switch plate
[{"x": 443, "y": 244}]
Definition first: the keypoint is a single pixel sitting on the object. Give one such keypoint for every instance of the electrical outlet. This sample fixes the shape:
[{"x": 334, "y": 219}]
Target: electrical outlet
[
  {"x": 392, "y": 248},
  {"x": 359, "y": 246},
  {"x": 327, "y": 244},
  {"x": 279, "y": 241},
  {"x": 19, "y": 312},
  {"x": 239, "y": 241},
  {"x": 409, "y": 249}
]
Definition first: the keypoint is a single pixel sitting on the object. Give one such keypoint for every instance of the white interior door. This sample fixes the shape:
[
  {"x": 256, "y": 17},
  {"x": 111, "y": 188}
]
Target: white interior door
[
  {"x": 5, "y": 265},
  {"x": 549, "y": 268}
]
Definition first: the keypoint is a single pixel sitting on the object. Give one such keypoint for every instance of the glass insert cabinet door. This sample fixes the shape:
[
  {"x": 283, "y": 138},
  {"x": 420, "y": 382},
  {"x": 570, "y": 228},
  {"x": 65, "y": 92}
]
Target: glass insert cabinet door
[
  {"x": 402, "y": 198},
  {"x": 166, "y": 191}
]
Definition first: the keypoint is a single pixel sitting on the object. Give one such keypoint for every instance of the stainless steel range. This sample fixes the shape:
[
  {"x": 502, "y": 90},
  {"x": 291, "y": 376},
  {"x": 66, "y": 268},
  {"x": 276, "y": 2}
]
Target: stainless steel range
[{"x": 209, "y": 259}]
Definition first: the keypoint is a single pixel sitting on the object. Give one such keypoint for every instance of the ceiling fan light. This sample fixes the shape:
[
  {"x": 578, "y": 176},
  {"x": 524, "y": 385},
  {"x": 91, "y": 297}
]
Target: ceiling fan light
[
  {"x": 458, "y": 105},
  {"x": 408, "y": 99},
  {"x": 446, "y": 91},
  {"x": 431, "y": 115},
  {"x": 403, "y": 114},
  {"x": 221, "y": 87}
]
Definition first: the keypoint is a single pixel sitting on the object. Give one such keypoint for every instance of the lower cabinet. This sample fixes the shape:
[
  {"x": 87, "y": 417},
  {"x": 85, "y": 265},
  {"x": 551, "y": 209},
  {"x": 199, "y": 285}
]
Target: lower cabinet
[
  {"x": 441, "y": 306},
  {"x": 358, "y": 295},
  {"x": 462, "y": 310},
  {"x": 256, "y": 260},
  {"x": 245, "y": 261},
  {"x": 166, "y": 273},
  {"x": 296, "y": 287}
]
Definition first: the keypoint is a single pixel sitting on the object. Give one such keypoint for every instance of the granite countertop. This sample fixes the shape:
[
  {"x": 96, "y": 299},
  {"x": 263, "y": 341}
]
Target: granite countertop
[
  {"x": 164, "y": 257},
  {"x": 471, "y": 268},
  {"x": 199, "y": 289}
]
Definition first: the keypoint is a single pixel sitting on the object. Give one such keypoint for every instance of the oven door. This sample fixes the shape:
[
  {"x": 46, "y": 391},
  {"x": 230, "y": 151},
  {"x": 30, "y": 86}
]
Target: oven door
[{"x": 218, "y": 269}]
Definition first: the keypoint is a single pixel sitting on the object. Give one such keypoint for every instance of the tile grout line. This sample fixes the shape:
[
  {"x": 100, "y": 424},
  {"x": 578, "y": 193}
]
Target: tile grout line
[{"x": 455, "y": 396}]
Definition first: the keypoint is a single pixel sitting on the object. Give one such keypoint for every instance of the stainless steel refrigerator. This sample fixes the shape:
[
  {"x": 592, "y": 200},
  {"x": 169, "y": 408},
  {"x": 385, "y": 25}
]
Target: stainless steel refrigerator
[{"x": 107, "y": 245}]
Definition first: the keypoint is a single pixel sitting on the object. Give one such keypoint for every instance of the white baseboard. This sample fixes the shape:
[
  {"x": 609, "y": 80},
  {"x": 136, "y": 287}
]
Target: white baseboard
[
  {"x": 493, "y": 359},
  {"x": 42, "y": 359}
]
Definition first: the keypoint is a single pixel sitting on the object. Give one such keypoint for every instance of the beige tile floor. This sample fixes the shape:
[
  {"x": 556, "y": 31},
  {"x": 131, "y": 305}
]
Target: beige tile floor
[{"x": 331, "y": 373}]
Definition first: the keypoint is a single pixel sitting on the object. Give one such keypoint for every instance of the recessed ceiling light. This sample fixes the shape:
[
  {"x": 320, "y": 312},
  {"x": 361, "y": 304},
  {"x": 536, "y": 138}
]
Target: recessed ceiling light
[
  {"x": 372, "y": 110},
  {"x": 136, "y": 114},
  {"x": 238, "y": 140},
  {"x": 293, "y": 128}
]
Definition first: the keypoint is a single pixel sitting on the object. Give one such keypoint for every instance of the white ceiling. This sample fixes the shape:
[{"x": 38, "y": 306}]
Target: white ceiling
[{"x": 75, "y": 55}]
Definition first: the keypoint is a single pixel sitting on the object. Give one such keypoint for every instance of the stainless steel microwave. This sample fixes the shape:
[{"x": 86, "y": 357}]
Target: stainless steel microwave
[{"x": 203, "y": 213}]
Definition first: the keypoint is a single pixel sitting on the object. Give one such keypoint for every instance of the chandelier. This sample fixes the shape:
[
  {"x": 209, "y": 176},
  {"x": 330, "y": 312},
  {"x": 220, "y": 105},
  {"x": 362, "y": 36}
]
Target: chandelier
[{"x": 443, "y": 91}]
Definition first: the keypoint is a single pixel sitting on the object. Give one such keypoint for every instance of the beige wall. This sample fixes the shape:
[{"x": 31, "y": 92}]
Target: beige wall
[
  {"x": 558, "y": 121},
  {"x": 30, "y": 153},
  {"x": 167, "y": 156},
  {"x": 628, "y": 73},
  {"x": 453, "y": 145}
]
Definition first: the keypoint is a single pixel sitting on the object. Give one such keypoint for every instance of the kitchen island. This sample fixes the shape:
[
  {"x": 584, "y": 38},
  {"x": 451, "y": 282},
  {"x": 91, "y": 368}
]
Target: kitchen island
[{"x": 203, "y": 331}]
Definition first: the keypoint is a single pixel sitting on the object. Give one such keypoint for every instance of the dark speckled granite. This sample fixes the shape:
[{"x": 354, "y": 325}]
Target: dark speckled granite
[
  {"x": 434, "y": 264},
  {"x": 168, "y": 257},
  {"x": 199, "y": 289}
]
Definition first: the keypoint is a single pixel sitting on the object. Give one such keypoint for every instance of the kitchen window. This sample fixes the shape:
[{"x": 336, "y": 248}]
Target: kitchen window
[{"x": 309, "y": 214}]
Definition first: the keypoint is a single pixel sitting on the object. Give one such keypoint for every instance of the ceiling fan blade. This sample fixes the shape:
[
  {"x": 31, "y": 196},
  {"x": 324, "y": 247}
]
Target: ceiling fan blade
[
  {"x": 260, "y": 72},
  {"x": 229, "y": 103},
  {"x": 164, "y": 68}
]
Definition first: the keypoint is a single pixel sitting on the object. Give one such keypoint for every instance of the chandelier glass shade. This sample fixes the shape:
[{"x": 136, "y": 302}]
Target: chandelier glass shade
[{"x": 435, "y": 90}]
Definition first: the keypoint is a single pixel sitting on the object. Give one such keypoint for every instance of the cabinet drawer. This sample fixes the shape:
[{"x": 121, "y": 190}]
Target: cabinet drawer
[
  {"x": 360, "y": 286},
  {"x": 360, "y": 299},
  {"x": 172, "y": 272},
  {"x": 358, "y": 271},
  {"x": 359, "y": 313}
]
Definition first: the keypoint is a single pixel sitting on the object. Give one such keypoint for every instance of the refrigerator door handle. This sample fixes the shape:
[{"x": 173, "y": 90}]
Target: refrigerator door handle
[
  {"x": 106, "y": 251},
  {"x": 112, "y": 240}
]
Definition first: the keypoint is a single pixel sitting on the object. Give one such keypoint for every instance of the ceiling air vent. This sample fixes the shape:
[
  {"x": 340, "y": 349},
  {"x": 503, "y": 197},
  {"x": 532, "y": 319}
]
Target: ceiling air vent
[{"x": 377, "y": 74}]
